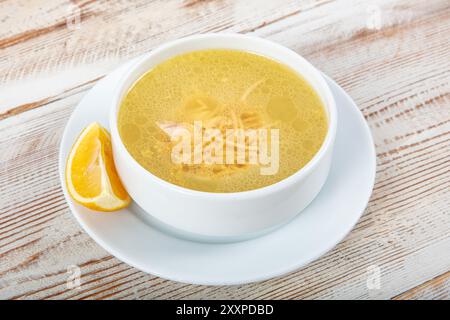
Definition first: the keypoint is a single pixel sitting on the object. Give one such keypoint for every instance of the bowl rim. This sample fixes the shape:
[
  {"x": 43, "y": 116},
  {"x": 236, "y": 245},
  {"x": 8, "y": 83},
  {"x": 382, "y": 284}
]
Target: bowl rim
[{"x": 287, "y": 182}]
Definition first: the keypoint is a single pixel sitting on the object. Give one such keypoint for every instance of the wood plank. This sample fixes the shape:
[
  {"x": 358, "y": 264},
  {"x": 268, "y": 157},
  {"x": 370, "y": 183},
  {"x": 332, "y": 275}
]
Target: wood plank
[
  {"x": 437, "y": 288},
  {"x": 398, "y": 74}
]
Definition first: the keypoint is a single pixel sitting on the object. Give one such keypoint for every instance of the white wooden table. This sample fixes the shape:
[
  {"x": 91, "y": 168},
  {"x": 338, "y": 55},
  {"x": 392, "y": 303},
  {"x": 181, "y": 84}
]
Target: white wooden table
[{"x": 393, "y": 58}]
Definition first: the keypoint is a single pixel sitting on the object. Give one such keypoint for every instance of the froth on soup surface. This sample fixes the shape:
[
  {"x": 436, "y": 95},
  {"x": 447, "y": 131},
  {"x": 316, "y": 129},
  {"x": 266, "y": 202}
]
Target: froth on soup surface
[{"x": 221, "y": 89}]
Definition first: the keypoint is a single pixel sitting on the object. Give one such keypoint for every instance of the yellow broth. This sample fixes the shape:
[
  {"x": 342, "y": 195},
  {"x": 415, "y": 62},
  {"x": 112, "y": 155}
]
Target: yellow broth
[{"x": 222, "y": 89}]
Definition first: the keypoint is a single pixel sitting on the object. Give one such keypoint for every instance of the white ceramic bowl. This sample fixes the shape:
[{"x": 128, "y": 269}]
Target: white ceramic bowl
[{"x": 224, "y": 216}]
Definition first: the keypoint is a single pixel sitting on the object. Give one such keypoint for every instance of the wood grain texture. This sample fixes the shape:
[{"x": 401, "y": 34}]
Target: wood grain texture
[
  {"x": 437, "y": 288},
  {"x": 393, "y": 58}
]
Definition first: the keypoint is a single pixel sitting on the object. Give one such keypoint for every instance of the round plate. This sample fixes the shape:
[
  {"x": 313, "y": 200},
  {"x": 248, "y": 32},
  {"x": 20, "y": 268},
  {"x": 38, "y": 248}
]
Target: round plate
[{"x": 132, "y": 237}]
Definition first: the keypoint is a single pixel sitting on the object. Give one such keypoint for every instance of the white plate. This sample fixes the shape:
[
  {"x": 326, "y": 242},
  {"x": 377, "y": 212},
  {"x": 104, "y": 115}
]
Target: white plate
[{"x": 134, "y": 239}]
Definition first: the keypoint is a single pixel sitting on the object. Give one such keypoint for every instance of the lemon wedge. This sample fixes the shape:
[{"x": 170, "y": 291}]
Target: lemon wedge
[{"x": 91, "y": 176}]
